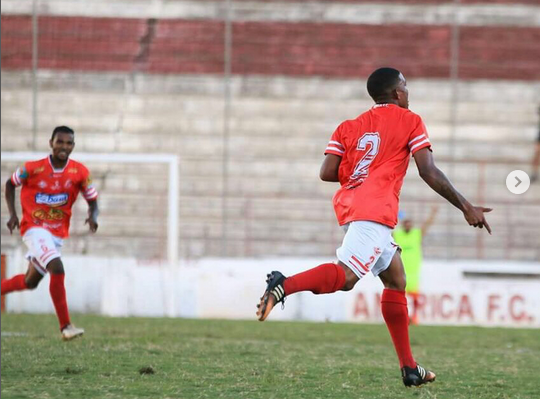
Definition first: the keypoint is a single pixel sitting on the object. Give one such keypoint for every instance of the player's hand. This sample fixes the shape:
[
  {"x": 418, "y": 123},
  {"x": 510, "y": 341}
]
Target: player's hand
[
  {"x": 92, "y": 223},
  {"x": 475, "y": 217},
  {"x": 13, "y": 223}
]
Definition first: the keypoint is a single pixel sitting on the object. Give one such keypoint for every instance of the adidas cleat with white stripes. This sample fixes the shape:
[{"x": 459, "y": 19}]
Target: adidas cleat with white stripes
[
  {"x": 416, "y": 376},
  {"x": 274, "y": 294}
]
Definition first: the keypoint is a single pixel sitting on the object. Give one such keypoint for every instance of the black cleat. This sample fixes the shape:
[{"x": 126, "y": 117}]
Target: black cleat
[
  {"x": 273, "y": 294},
  {"x": 417, "y": 376}
]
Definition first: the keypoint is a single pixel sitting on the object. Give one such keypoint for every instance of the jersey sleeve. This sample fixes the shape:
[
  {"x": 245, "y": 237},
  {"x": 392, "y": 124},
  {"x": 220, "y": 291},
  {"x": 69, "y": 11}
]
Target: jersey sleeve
[
  {"x": 418, "y": 138},
  {"x": 19, "y": 177},
  {"x": 88, "y": 190},
  {"x": 335, "y": 145}
]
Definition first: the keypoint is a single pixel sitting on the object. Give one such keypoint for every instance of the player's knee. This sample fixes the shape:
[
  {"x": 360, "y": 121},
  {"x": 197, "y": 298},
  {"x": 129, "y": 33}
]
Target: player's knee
[
  {"x": 31, "y": 284},
  {"x": 350, "y": 278},
  {"x": 350, "y": 282},
  {"x": 348, "y": 286},
  {"x": 56, "y": 266}
]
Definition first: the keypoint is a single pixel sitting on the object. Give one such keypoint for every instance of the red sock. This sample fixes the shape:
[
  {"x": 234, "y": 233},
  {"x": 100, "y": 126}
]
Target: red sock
[
  {"x": 15, "y": 283},
  {"x": 396, "y": 316},
  {"x": 323, "y": 279},
  {"x": 58, "y": 295}
]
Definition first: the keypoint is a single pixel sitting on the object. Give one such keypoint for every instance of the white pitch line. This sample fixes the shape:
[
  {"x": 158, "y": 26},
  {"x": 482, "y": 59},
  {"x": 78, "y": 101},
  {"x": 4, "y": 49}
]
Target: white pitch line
[{"x": 14, "y": 334}]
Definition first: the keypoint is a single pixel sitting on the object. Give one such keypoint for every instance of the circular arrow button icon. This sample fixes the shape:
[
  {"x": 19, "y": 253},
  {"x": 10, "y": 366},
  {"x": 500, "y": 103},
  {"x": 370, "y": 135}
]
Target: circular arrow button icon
[{"x": 518, "y": 182}]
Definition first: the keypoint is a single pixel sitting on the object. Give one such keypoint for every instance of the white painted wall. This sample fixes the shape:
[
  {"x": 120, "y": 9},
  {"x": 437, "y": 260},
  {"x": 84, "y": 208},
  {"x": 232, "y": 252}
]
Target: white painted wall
[
  {"x": 230, "y": 288},
  {"x": 366, "y": 13}
]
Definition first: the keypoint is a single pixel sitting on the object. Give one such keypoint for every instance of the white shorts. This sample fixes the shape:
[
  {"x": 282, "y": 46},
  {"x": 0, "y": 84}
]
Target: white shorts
[
  {"x": 367, "y": 246},
  {"x": 42, "y": 247}
]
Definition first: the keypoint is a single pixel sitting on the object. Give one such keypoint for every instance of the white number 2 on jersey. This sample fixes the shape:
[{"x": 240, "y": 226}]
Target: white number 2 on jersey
[{"x": 362, "y": 167}]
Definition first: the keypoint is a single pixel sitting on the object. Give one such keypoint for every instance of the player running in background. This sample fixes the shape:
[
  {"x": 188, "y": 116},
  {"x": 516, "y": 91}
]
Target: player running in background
[
  {"x": 369, "y": 156},
  {"x": 50, "y": 187},
  {"x": 409, "y": 238}
]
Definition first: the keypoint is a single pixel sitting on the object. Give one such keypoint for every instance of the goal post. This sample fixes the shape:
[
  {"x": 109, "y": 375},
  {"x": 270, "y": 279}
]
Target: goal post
[{"x": 171, "y": 160}]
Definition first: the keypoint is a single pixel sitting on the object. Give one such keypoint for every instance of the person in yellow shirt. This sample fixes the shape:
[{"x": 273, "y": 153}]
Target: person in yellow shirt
[{"x": 409, "y": 238}]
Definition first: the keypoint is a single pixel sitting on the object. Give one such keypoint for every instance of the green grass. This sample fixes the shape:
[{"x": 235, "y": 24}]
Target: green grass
[{"x": 248, "y": 359}]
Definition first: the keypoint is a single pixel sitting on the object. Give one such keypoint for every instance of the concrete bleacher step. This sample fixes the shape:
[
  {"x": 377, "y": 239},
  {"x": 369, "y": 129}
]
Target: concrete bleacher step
[
  {"x": 146, "y": 110},
  {"x": 279, "y": 128}
]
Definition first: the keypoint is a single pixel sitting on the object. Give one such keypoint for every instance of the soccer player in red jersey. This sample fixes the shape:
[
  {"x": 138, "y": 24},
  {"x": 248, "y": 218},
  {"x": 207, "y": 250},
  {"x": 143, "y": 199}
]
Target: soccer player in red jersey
[
  {"x": 369, "y": 156},
  {"x": 50, "y": 187}
]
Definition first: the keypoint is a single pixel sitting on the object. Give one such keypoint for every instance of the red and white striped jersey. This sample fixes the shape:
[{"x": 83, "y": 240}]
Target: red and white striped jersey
[{"x": 375, "y": 150}]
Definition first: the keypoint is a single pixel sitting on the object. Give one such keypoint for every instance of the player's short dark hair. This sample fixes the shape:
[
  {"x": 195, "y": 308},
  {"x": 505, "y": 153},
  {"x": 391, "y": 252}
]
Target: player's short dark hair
[
  {"x": 381, "y": 83},
  {"x": 61, "y": 129}
]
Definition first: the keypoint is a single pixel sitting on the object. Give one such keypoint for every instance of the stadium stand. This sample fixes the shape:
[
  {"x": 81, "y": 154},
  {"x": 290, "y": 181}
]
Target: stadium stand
[{"x": 156, "y": 84}]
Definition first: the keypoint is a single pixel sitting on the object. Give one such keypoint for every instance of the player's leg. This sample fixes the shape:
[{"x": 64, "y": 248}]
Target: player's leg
[
  {"x": 34, "y": 274},
  {"x": 357, "y": 253},
  {"x": 22, "y": 282},
  {"x": 57, "y": 291},
  {"x": 394, "y": 309},
  {"x": 35, "y": 271},
  {"x": 44, "y": 252},
  {"x": 396, "y": 315},
  {"x": 15, "y": 283},
  {"x": 323, "y": 279}
]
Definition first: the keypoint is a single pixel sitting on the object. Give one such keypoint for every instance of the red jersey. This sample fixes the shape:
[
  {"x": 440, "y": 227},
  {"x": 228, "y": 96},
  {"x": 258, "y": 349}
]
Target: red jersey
[
  {"x": 375, "y": 150},
  {"x": 48, "y": 194}
]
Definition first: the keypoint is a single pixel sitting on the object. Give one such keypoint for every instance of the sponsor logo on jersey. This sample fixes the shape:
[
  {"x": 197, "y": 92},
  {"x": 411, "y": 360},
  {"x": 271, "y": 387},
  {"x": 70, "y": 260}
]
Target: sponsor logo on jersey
[
  {"x": 37, "y": 171},
  {"x": 52, "y": 199},
  {"x": 52, "y": 214},
  {"x": 56, "y": 185}
]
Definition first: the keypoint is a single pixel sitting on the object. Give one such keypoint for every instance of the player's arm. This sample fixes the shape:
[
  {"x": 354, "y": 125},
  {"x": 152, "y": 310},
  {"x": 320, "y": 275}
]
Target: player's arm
[
  {"x": 13, "y": 222},
  {"x": 437, "y": 180},
  {"x": 330, "y": 168},
  {"x": 16, "y": 180},
  {"x": 429, "y": 221},
  {"x": 90, "y": 194},
  {"x": 93, "y": 213}
]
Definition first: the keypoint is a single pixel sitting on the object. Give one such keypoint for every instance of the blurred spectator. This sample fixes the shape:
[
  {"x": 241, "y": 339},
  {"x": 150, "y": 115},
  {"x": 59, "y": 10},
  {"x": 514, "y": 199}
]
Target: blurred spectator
[{"x": 409, "y": 238}]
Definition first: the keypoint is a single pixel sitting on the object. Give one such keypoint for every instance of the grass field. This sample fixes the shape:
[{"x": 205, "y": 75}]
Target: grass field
[{"x": 179, "y": 358}]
